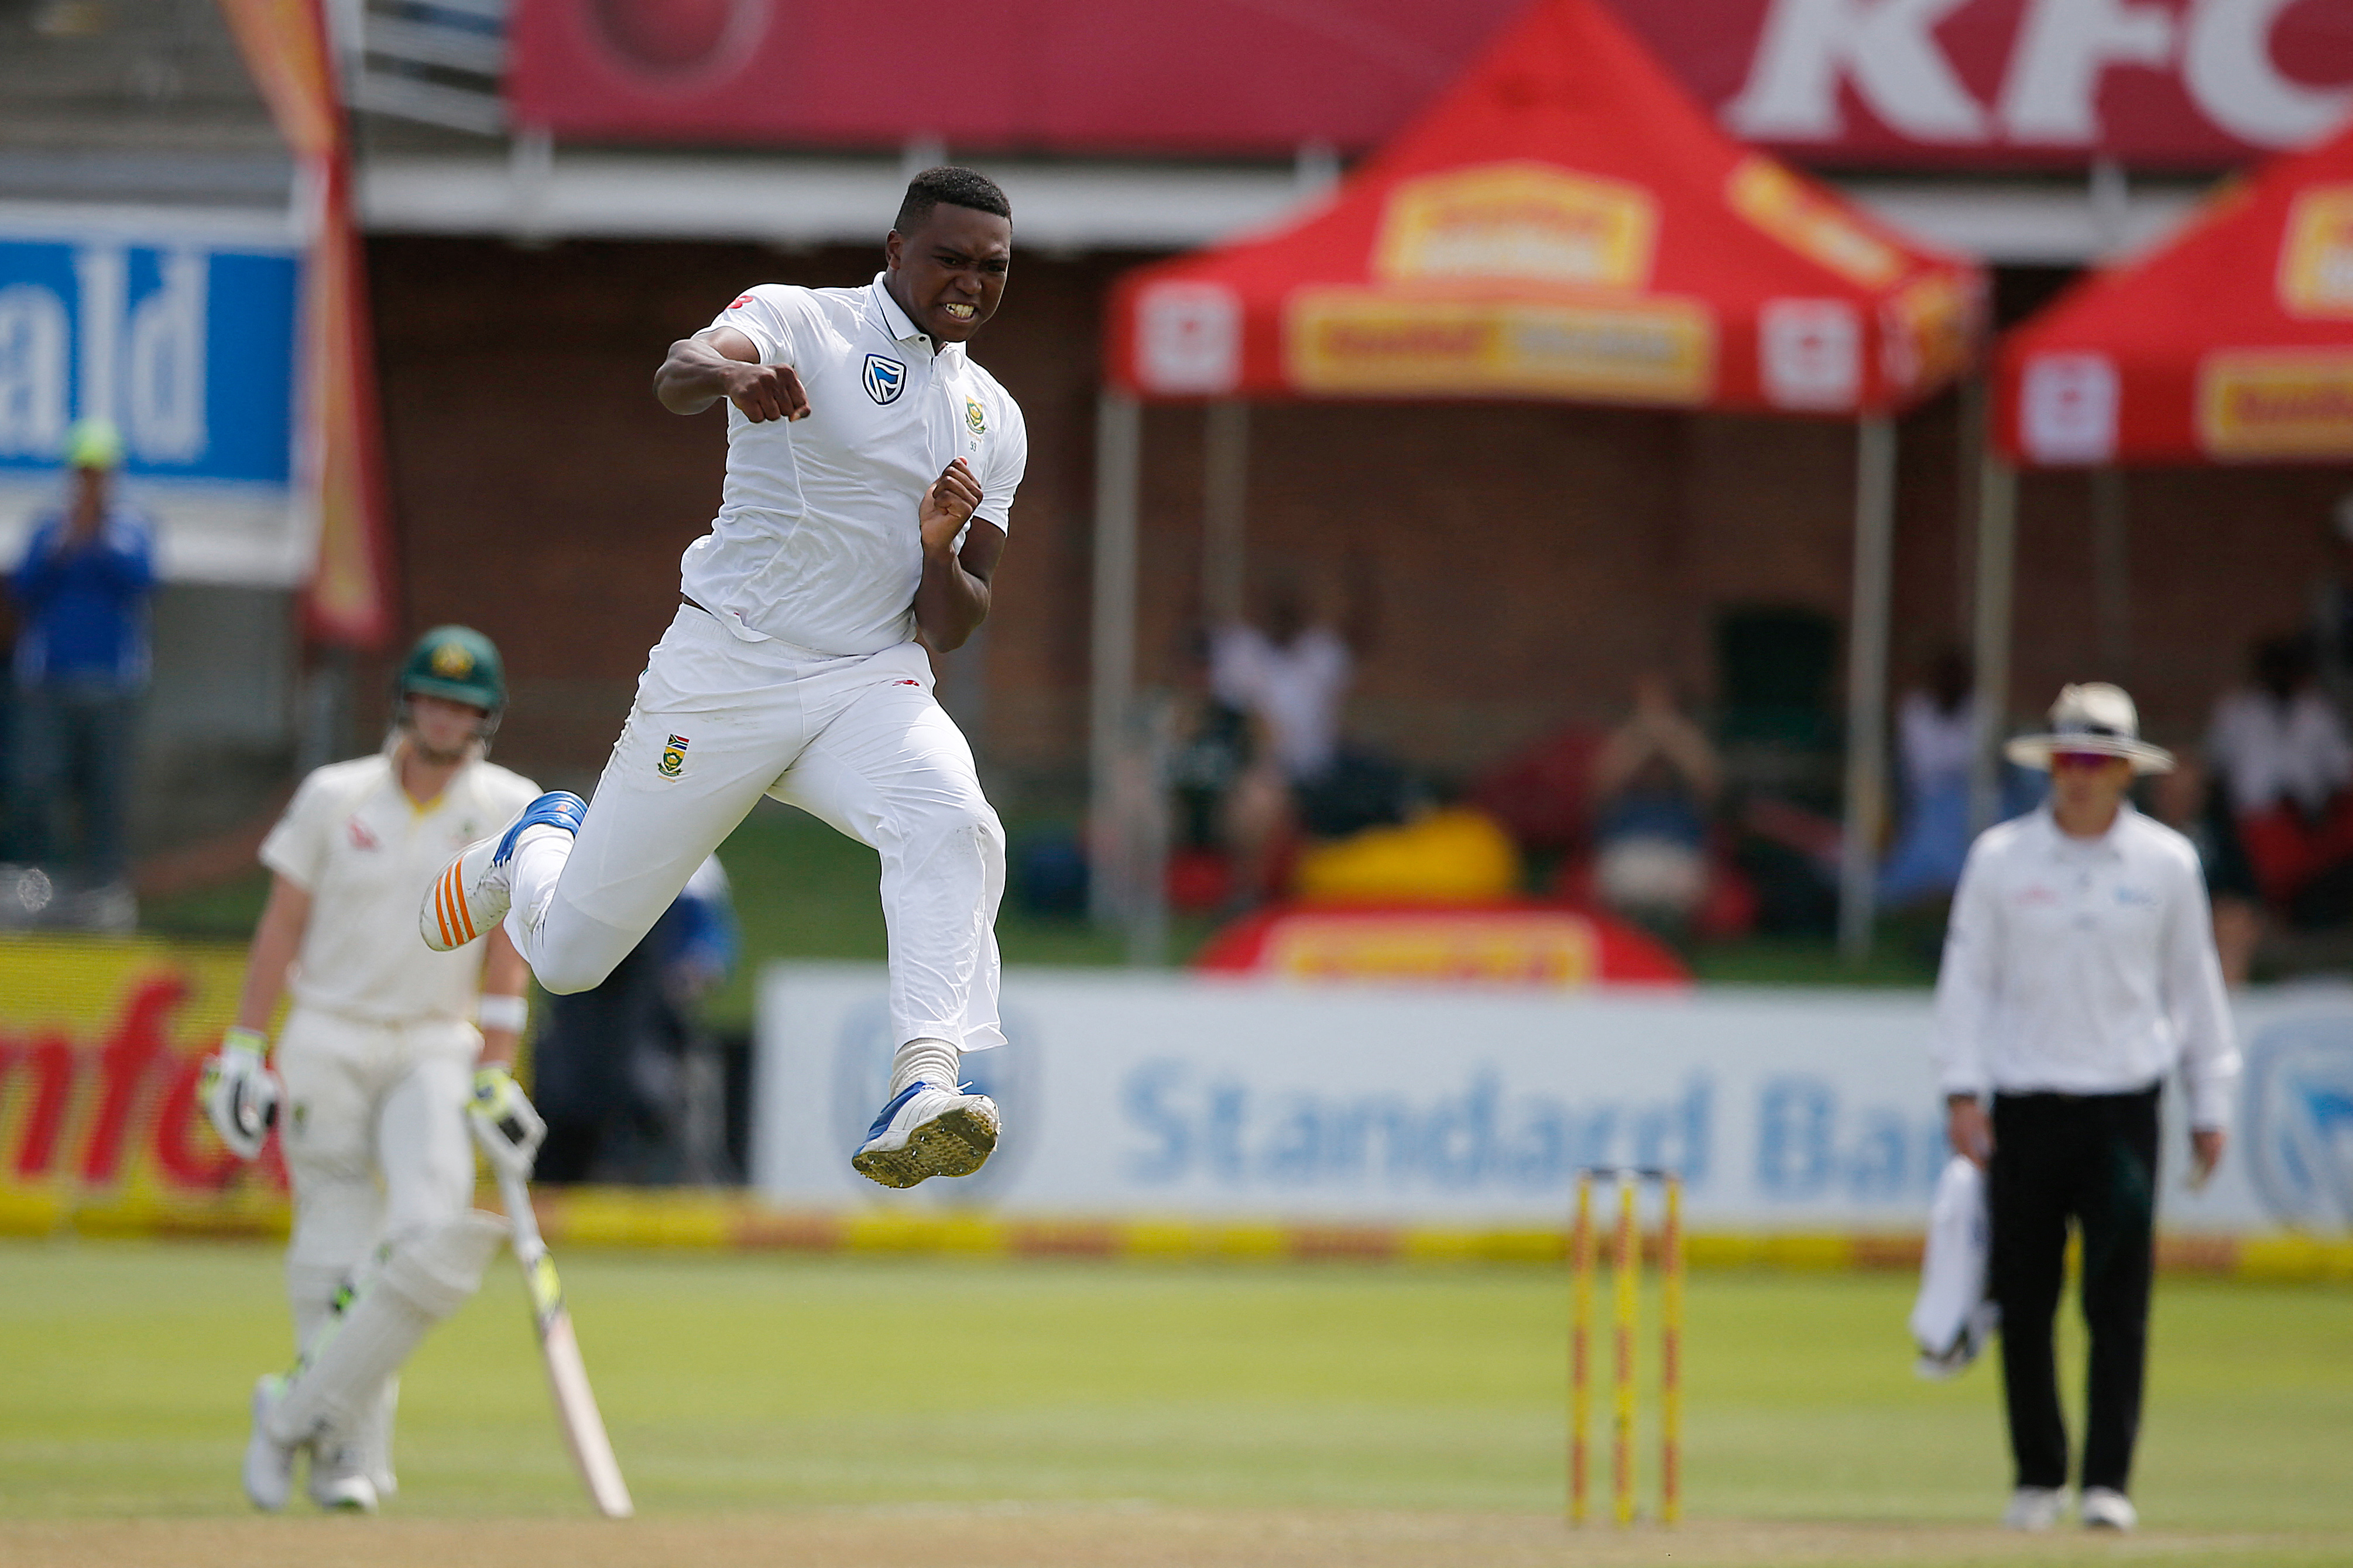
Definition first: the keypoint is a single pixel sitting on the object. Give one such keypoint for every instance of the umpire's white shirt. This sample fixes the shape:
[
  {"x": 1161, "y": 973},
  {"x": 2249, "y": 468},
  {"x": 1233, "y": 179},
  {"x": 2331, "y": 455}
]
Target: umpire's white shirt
[
  {"x": 366, "y": 853},
  {"x": 816, "y": 543},
  {"x": 2083, "y": 966}
]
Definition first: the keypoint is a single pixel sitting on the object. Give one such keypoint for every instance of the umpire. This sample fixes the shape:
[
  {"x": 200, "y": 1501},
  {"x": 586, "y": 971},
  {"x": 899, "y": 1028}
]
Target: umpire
[{"x": 2079, "y": 970}]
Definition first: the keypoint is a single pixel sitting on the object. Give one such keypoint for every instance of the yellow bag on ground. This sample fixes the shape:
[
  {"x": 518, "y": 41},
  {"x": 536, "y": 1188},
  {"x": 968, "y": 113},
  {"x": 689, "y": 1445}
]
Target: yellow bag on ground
[{"x": 1452, "y": 857}]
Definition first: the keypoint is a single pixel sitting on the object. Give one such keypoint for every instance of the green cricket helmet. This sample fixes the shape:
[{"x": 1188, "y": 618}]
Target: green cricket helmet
[{"x": 457, "y": 663}]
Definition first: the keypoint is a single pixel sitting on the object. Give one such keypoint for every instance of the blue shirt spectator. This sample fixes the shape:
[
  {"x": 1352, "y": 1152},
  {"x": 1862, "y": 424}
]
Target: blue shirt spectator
[
  {"x": 81, "y": 663},
  {"x": 83, "y": 592}
]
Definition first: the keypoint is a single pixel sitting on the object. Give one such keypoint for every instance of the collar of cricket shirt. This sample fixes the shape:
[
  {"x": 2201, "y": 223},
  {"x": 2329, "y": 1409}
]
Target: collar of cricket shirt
[
  {"x": 899, "y": 324},
  {"x": 2107, "y": 845}
]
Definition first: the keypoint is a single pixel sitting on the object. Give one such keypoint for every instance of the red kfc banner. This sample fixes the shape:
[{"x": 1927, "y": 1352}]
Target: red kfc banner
[
  {"x": 102, "y": 1043},
  {"x": 1978, "y": 84}
]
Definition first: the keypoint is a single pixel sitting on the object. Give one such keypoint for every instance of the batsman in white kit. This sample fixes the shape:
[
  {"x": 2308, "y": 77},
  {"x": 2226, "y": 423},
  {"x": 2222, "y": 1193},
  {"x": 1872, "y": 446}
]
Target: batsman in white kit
[
  {"x": 389, "y": 1054},
  {"x": 871, "y": 469}
]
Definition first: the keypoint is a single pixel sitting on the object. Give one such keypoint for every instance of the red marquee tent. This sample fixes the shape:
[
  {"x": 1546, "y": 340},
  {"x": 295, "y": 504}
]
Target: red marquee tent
[
  {"x": 2231, "y": 343},
  {"x": 1562, "y": 223}
]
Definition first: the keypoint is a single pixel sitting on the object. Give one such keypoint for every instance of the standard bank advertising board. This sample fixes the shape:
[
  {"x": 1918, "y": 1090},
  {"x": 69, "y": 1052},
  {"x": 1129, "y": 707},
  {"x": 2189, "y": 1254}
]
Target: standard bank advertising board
[{"x": 1785, "y": 1110}]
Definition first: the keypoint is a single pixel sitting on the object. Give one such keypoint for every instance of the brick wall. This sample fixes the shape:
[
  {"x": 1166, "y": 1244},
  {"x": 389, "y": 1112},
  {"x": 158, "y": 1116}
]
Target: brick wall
[{"x": 1519, "y": 564}]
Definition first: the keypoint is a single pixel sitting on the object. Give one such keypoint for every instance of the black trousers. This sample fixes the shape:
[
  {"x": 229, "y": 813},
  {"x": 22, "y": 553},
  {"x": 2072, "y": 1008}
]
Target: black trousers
[{"x": 2092, "y": 1159}]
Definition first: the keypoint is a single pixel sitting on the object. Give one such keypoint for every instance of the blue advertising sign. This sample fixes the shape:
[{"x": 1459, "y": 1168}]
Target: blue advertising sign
[{"x": 185, "y": 344}]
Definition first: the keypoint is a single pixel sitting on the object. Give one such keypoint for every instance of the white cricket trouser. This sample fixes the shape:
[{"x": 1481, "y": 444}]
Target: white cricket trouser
[
  {"x": 374, "y": 1127},
  {"x": 858, "y": 742}
]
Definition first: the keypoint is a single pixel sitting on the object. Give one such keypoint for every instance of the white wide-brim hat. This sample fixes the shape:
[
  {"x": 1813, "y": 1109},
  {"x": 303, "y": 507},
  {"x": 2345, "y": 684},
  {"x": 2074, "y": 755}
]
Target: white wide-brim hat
[{"x": 2094, "y": 717}]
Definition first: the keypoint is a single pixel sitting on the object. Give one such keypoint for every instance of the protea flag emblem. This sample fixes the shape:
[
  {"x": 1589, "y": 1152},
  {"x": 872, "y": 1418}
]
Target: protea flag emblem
[{"x": 673, "y": 757}]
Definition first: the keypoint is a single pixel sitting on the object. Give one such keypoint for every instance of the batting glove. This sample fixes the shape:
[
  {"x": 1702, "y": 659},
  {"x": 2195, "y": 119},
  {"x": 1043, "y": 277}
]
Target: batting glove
[
  {"x": 239, "y": 1094},
  {"x": 504, "y": 1124}
]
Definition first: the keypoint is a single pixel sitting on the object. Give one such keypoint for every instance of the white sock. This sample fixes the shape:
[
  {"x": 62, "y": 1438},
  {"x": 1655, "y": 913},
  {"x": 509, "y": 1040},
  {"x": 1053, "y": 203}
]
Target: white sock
[
  {"x": 923, "y": 1061},
  {"x": 539, "y": 856}
]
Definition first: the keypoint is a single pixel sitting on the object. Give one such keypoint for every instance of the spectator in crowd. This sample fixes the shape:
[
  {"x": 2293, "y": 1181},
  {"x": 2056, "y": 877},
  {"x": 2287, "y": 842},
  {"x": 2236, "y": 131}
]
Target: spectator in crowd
[
  {"x": 1655, "y": 782},
  {"x": 2332, "y": 610},
  {"x": 627, "y": 1080},
  {"x": 1290, "y": 676},
  {"x": 81, "y": 663},
  {"x": 2283, "y": 761},
  {"x": 2186, "y": 801},
  {"x": 2079, "y": 974},
  {"x": 1210, "y": 754},
  {"x": 1936, "y": 738}
]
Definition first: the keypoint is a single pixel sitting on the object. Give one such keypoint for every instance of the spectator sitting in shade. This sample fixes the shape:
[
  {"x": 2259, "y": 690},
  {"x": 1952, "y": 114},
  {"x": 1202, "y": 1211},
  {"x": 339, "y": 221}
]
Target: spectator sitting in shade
[
  {"x": 2185, "y": 801},
  {"x": 1936, "y": 737},
  {"x": 2332, "y": 610},
  {"x": 81, "y": 664},
  {"x": 1654, "y": 784},
  {"x": 2283, "y": 761},
  {"x": 1290, "y": 679}
]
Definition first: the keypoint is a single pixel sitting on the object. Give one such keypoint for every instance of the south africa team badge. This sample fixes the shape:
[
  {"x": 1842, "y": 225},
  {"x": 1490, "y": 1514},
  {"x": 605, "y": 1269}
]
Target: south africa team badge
[
  {"x": 885, "y": 379},
  {"x": 974, "y": 417},
  {"x": 673, "y": 757}
]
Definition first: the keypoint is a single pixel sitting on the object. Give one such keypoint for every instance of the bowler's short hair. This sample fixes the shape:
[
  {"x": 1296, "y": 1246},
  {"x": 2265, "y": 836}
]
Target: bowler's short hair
[{"x": 958, "y": 187}]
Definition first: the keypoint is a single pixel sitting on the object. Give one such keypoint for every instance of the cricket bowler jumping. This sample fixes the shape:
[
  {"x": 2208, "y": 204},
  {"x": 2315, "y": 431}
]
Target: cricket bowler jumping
[
  {"x": 871, "y": 469},
  {"x": 386, "y": 1056}
]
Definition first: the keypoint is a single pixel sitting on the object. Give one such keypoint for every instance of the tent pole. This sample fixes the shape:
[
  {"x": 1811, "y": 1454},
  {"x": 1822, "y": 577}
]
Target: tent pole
[
  {"x": 1989, "y": 644},
  {"x": 1866, "y": 682},
  {"x": 1112, "y": 662},
  {"x": 1225, "y": 480},
  {"x": 1969, "y": 463}
]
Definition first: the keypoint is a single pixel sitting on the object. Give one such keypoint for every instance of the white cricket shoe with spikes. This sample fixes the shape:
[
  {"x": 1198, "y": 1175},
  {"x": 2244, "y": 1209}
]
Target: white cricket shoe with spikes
[{"x": 927, "y": 1130}]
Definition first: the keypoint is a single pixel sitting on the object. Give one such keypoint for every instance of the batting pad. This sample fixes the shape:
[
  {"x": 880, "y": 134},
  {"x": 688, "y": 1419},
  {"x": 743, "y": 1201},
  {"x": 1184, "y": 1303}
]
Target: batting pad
[{"x": 424, "y": 1281}]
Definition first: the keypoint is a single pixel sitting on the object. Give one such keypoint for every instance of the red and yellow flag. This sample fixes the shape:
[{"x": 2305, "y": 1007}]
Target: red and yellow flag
[{"x": 349, "y": 599}]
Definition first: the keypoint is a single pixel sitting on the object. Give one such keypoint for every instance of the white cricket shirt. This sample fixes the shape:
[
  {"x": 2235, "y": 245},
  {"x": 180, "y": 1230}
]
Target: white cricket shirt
[
  {"x": 1297, "y": 689},
  {"x": 2272, "y": 752},
  {"x": 2083, "y": 966},
  {"x": 816, "y": 543},
  {"x": 366, "y": 853}
]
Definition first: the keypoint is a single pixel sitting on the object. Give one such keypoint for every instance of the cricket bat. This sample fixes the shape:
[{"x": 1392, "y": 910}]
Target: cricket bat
[{"x": 568, "y": 1378}]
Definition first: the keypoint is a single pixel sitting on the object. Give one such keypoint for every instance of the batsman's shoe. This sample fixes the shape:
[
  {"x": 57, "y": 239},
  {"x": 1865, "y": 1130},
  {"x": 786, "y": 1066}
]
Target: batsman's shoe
[
  {"x": 924, "y": 1132},
  {"x": 470, "y": 898},
  {"x": 2033, "y": 1508},
  {"x": 269, "y": 1463},
  {"x": 339, "y": 1477},
  {"x": 2105, "y": 1508}
]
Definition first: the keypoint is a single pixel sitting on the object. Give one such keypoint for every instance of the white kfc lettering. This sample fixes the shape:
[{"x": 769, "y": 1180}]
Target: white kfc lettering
[
  {"x": 1888, "y": 52},
  {"x": 1887, "y": 48},
  {"x": 2229, "y": 69},
  {"x": 2051, "y": 92}
]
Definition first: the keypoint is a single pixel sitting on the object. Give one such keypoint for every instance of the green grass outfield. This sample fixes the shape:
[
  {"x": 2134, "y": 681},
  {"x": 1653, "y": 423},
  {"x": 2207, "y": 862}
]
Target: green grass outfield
[{"x": 791, "y": 1388}]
